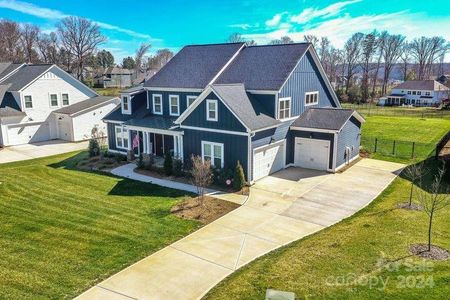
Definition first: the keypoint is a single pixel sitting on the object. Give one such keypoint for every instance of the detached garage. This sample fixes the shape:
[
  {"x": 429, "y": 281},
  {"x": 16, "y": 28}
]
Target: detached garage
[{"x": 324, "y": 139}]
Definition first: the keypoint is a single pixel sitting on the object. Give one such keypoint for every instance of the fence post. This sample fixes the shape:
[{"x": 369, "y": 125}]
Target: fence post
[
  {"x": 393, "y": 148},
  {"x": 413, "y": 148},
  {"x": 376, "y": 143}
]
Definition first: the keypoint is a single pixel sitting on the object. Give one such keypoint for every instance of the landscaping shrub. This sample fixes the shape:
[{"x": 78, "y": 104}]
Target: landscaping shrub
[
  {"x": 120, "y": 157},
  {"x": 222, "y": 176},
  {"x": 177, "y": 167},
  {"x": 148, "y": 163},
  {"x": 140, "y": 162},
  {"x": 239, "y": 178},
  {"x": 168, "y": 163},
  {"x": 93, "y": 148}
]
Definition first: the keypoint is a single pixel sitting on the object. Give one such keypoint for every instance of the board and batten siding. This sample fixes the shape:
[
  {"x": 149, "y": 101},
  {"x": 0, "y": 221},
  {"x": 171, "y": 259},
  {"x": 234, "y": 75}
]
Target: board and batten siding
[
  {"x": 306, "y": 78},
  {"x": 165, "y": 96},
  {"x": 350, "y": 137},
  {"x": 267, "y": 101},
  {"x": 112, "y": 137}
]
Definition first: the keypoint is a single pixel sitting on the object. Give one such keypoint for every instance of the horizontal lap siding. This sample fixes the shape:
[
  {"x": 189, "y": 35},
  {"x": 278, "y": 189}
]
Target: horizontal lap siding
[
  {"x": 348, "y": 137},
  {"x": 165, "y": 96}
]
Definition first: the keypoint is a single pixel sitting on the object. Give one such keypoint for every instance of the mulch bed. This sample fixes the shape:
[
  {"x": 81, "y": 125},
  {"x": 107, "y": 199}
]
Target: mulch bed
[
  {"x": 414, "y": 206},
  {"x": 204, "y": 211},
  {"x": 436, "y": 253}
]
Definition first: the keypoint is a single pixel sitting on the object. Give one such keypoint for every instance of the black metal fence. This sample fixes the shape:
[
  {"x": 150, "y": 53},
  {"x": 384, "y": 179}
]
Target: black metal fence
[
  {"x": 398, "y": 148},
  {"x": 395, "y": 111}
]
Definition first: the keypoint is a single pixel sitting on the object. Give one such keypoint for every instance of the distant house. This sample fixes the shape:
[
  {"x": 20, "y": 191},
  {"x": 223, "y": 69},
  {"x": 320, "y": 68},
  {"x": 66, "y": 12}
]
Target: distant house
[
  {"x": 115, "y": 77},
  {"x": 417, "y": 93},
  {"x": 42, "y": 102}
]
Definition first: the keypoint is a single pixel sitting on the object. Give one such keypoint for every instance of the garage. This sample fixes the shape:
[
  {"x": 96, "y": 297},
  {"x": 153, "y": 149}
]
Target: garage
[
  {"x": 28, "y": 133},
  {"x": 268, "y": 160},
  {"x": 311, "y": 153}
]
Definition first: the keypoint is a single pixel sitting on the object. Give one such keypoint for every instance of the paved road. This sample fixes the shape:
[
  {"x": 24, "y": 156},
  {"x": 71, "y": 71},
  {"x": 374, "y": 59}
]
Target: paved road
[{"x": 281, "y": 208}]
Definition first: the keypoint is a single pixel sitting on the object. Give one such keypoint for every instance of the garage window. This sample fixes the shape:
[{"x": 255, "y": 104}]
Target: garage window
[
  {"x": 121, "y": 137},
  {"x": 53, "y": 100},
  {"x": 28, "y": 102},
  {"x": 311, "y": 98},
  {"x": 213, "y": 152},
  {"x": 284, "y": 108},
  {"x": 65, "y": 99}
]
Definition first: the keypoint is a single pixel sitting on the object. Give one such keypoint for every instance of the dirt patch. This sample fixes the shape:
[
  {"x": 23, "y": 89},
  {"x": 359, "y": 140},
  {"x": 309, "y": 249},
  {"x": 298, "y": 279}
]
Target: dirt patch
[
  {"x": 405, "y": 205},
  {"x": 436, "y": 253},
  {"x": 99, "y": 164},
  {"x": 204, "y": 211}
]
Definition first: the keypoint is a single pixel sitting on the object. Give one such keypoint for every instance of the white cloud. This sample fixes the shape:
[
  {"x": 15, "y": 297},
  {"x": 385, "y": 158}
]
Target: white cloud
[
  {"x": 53, "y": 14},
  {"x": 274, "y": 21},
  {"x": 244, "y": 26},
  {"x": 311, "y": 13}
]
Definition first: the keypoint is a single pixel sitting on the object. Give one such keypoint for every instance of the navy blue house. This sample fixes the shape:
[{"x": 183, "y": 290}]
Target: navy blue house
[{"x": 269, "y": 107}]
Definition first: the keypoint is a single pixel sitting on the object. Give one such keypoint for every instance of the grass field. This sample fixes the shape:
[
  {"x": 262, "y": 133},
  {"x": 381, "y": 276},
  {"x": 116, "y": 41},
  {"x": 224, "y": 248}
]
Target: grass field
[
  {"x": 63, "y": 230},
  {"x": 108, "y": 91},
  {"x": 398, "y": 111},
  {"x": 343, "y": 261}
]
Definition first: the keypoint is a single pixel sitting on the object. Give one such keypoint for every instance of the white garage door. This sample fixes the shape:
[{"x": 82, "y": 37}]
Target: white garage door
[
  {"x": 311, "y": 153},
  {"x": 64, "y": 128},
  {"x": 23, "y": 134},
  {"x": 268, "y": 160}
]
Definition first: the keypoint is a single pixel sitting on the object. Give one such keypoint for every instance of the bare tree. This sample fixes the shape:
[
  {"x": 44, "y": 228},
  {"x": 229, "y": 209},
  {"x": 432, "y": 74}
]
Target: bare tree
[
  {"x": 235, "y": 38},
  {"x": 391, "y": 52},
  {"x": 282, "y": 40},
  {"x": 369, "y": 47},
  {"x": 139, "y": 55},
  {"x": 314, "y": 40},
  {"x": 352, "y": 56},
  {"x": 414, "y": 173},
  {"x": 201, "y": 174},
  {"x": 435, "y": 200},
  {"x": 426, "y": 51},
  {"x": 161, "y": 58},
  {"x": 80, "y": 37},
  {"x": 335, "y": 59},
  {"x": 48, "y": 47},
  {"x": 29, "y": 38},
  {"x": 381, "y": 42},
  {"x": 10, "y": 49},
  {"x": 324, "y": 53},
  {"x": 405, "y": 58}
]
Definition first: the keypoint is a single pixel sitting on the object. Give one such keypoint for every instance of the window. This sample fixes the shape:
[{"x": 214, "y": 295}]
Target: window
[
  {"x": 409, "y": 92},
  {"x": 213, "y": 152},
  {"x": 211, "y": 110},
  {"x": 65, "y": 99},
  {"x": 311, "y": 98},
  {"x": 414, "y": 92},
  {"x": 157, "y": 104},
  {"x": 121, "y": 137},
  {"x": 174, "y": 101},
  {"x": 53, "y": 100},
  {"x": 419, "y": 93},
  {"x": 125, "y": 104},
  {"x": 427, "y": 93},
  {"x": 190, "y": 100},
  {"x": 284, "y": 108},
  {"x": 28, "y": 102}
]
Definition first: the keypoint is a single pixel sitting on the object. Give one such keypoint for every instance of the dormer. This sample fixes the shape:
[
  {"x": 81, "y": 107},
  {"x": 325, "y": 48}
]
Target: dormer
[{"x": 125, "y": 103}]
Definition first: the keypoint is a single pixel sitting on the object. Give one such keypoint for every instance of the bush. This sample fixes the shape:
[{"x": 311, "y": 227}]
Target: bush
[
  {"x": 239, "y": 178},
  {"x": 221, "y": 176},
  {"x": 140, "y": 162},
  {"x": 120, "y": 157},
  {"x": 168, "y": 164},
  {"x": 93, "y": 148},
  {"x": 177, "y": 167},
  {"x": 148, "y": 164}
]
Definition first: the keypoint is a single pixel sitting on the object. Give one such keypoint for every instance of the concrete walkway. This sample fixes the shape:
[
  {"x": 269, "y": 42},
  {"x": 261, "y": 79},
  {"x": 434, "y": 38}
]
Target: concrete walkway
[
  {"x": 281, "y": 208},
  {"x": 37, "y": 150}
]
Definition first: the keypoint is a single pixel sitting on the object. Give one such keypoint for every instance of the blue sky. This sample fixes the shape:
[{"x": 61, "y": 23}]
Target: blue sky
[{"x": 174, "y": 23}]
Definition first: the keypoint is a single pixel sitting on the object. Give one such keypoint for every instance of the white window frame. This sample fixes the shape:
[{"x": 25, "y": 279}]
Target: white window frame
[
  {"x": 309, "y": 94},
  {"x": 127, "y": 109},
  {"x": 284, "y": 99},
  {"x": 172, "y": 113},
  {"x": 190, "y": 98},
  {"x": 213, "y": 154},
  {"x": 216, "y": 117},
  {"x": 161, "y": 104},
  {"x": 50, "y": 99},
  {"x": 121, "y": 136},
  {"x": 62, "y": 99},
  {"x": 25, "y": 101}
]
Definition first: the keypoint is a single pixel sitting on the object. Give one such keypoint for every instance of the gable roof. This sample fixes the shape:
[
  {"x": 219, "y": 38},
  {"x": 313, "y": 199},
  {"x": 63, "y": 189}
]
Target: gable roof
[
  {"x": 326, "y": 118},
  {"x": 118, "y": 71},
  {"x": 85, "y": 104},
  {"x": 7, "y": 68},
  {"x": 194, "y": 66},
  {"x": 25, "y": 75},
  {"x": 8, "y": 105},
  {"x": 428, "y": 85},
  {"x": 263, "y": 67}
]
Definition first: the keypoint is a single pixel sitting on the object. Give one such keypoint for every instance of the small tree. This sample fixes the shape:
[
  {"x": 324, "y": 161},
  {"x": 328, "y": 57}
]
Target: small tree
[
  {"x": 239, "y": 178},
  {"x": 93, "y": 148},
  {"x": 413, "y": 173},
  {"x": 201, "y": 174},
  {"x": 168, "y": 163},
  {"x": 100, "y": 137},
  {"x": 433, "y": 201}
]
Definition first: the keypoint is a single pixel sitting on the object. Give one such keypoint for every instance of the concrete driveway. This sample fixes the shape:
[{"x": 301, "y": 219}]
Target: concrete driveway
[
  {"x": 281, "y": 208},
  {"x": 36, "y": 150}
]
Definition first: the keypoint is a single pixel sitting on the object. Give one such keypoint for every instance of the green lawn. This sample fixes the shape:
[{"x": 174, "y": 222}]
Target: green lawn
[
  {"x": 340, "y": 262},
  {"x": 108, "y": 91},
  {"x": 63, "y": 230},
  {"x": 417, "y": 112}
]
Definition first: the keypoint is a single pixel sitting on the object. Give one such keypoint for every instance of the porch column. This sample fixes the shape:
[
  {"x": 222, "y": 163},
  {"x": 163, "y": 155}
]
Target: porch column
[
  {"x": 144, "y": 141},
  {"x": 181, "y": 147},
  {"x": 175, "y": 146}
]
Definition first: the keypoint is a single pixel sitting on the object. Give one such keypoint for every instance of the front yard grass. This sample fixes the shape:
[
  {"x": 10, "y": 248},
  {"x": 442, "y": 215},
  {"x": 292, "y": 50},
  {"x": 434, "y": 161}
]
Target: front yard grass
[
  {"x": 345, "y": 261},
  {"x": 63, "y": 230}
]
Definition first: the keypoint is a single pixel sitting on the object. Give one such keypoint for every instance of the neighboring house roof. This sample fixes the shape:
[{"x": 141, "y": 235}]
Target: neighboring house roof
[
  {"x": 8, "y": 105},
  {"x": 134, "y": 89},
  {"x": 249, "y": 111},
  {"x": 8, "y": 68},
  {"x": 85, "y": 104},
  {"x": 263, "y": 67},
  {"x": 325, "y": 118},
  {"x": 25, "y": 76},
  {"x": 194, "y": 66},
  {"x": 427, "y": 85},
  {"x": 118, "y": 71}
]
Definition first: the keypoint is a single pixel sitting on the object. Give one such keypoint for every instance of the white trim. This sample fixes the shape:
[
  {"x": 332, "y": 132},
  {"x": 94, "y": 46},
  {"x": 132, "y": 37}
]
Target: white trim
[
  {"x": 265, "y": 128},
  {"x": 190, "y": 97},
  {"x": 214, "y": 130},
  {"x": 116, "y": 137},
  {"x": 212, "y": 144},
  {"x": 128, "y": 110},
  {"x": 24, "y": 102},
  {"x": 154, "y": 130},
  {"x": 357, "y": 116},
  {"x": 308, "y": 139},
  {"x": 346, "y": 164},
  {"x": 95, "y": 106},
  {"x": 281, "y": 142},
  {"x": 39, "y": 76},
  {"x": 171, "y": 113},
  {"x": 117, "y": 151},
  {"x": 216, "y": 110},
  {"x": 290, "y": 108},
  {"x": 50, "y": 99},
  {"x": 227, "y": 64},
  {"x": 313, "y": 129},
  {"x": 335, "y": 140},
  {"x": 311, "y": 103},
  {"x": 62, "y": 99},
  {"x": 153, "y": 104},
  {"x": 249, "y": 159},
  {"x": 263, "y": 92},
  {"x": 11, "y": 73},
  {"x": 269, "y": 145},
  {"x": 167, "y": 89},
  {"x": 112, "y": 121}
]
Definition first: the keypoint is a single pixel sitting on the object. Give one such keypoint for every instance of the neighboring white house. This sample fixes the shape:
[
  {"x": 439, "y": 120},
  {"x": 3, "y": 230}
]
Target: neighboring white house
[
  {"x": 42, "y": 102},
  {"x": 417, "y": 93}
]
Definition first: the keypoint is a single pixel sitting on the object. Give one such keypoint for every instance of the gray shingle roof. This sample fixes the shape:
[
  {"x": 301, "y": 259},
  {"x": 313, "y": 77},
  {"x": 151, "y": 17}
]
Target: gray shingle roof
[
  {"x": 8, "y": 105},
  {"x": 194, "y": 66},
  {"x": 25, "y": 75},
  {"x": 248, "y": 109},
  {"x": 324, "y": 118},
  {"x": 152, "y": 121},
  {"x": 428, "y": 85},
  {"x": 134, "y": 89},
  {"x": 7, "y": 68},
  {"x": 263, "y": 67},
  {"x": 86, "y": 104}
]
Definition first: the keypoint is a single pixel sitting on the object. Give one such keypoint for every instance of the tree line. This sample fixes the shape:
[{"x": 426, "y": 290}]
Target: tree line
[{"x": 373, "y": 57}]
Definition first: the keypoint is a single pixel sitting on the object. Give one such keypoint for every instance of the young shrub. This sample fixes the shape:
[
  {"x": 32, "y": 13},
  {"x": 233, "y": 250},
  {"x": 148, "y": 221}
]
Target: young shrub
[
  {"x": 168, "y": 163},
  {"x": 93, "y": 148},
  {"x": 177, "y": 167},
  {"x": 140, "y": 162},
  {"x": 239, "y": 178},
  {"x": 201, "y": 174}
]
